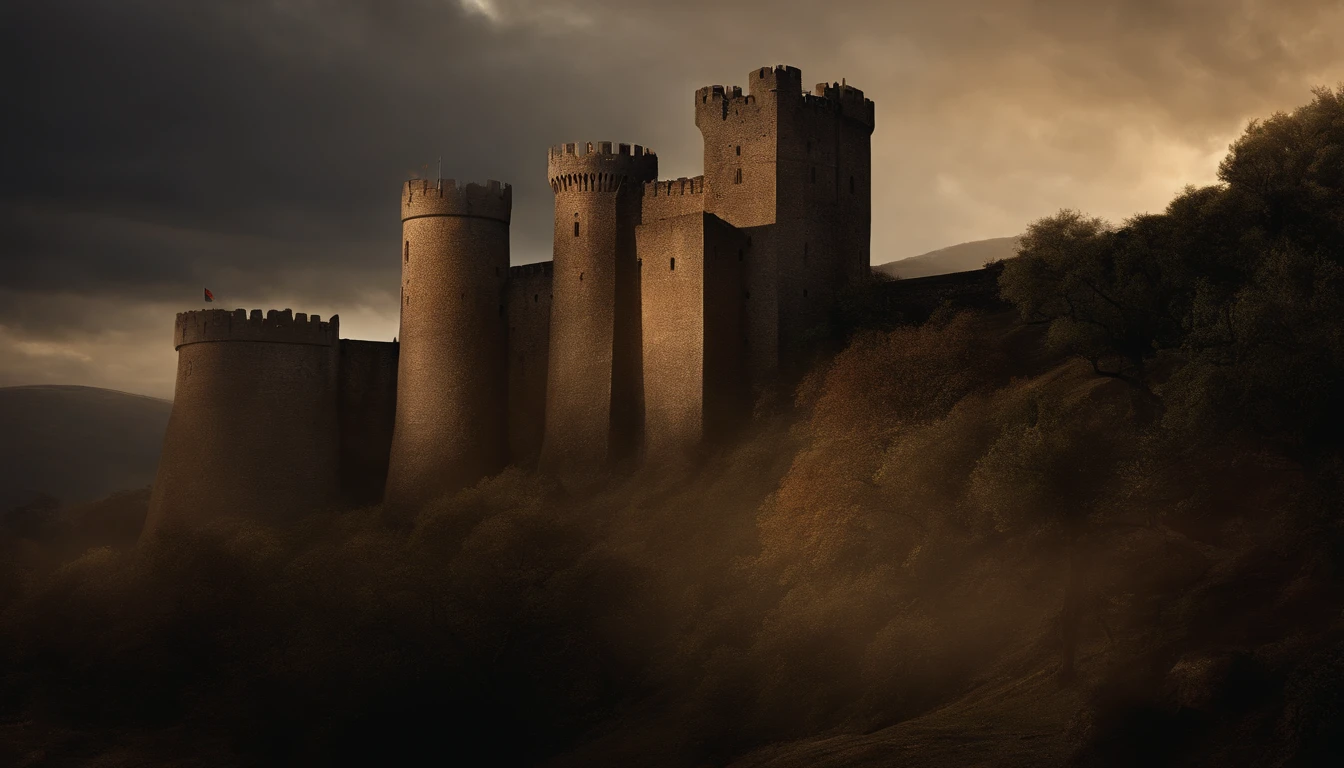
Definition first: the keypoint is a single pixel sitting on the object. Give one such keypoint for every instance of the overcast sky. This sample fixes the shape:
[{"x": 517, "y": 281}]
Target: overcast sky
[{"x": 256, "y": 147}]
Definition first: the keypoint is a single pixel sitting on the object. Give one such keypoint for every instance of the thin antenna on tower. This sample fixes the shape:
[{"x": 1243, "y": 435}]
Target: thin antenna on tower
[{"x": 440, "y": 173}]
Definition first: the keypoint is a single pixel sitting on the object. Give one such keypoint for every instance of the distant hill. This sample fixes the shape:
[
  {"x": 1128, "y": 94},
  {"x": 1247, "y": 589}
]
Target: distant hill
[
  {"x": 76, "y": 443},
  {"x": 954, "y": 258}
]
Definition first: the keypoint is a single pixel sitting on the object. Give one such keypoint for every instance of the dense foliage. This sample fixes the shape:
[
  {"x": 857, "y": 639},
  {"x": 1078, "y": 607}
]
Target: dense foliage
[{"x": 1239, "y": 287}]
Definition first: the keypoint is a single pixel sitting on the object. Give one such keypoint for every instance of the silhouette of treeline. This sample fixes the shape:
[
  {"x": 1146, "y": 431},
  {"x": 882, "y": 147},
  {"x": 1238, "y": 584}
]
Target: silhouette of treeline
[
  {"x": 1107, "y": 535},
  {"x": 1239, "y": 284}
]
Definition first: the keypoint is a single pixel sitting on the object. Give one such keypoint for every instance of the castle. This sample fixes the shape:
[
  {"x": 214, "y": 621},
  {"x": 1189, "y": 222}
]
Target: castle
[{"x": 669, "y": 305}]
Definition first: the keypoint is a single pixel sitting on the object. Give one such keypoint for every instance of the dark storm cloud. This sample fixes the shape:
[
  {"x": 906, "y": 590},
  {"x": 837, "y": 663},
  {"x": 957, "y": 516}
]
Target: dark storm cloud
[
  {"x": 256, "y": 146},
  {"x": 287, "y": 121}
]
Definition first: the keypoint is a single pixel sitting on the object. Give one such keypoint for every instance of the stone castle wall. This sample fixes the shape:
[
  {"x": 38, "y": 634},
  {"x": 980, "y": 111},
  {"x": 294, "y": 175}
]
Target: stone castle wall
[
  {"x": 726, "y": 386},
  {"x": 254, "y": 430},
  {"x": 692, "y": 281},
  {"x": 672, "y": 273},
  {"x": 367, "y": 405},
  {"x": 672, "y": 198},
  {"x": 529, "y": 309},
  {"x": 593, "y": 400},
  {"x": 452, "y": 377}
]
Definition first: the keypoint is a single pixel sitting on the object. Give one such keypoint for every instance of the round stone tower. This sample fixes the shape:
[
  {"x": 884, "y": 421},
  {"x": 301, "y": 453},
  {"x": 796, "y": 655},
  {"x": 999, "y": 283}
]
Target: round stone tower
[
  {"x": 593, "y": 400},
  {"x": 451, "y": 425},
  {"x": 254, "y": 429}
]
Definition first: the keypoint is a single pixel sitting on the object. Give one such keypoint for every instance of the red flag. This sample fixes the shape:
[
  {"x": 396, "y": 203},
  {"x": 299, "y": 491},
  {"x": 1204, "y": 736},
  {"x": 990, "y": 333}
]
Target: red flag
[{"x": 208, "y": 295}]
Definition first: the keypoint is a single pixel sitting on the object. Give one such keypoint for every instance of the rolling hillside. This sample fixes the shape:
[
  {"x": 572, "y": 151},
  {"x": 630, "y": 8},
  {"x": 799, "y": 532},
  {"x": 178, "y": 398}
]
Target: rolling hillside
[
  {"x": 76, "y": 443},
  {"x": 954, "y": 258}
]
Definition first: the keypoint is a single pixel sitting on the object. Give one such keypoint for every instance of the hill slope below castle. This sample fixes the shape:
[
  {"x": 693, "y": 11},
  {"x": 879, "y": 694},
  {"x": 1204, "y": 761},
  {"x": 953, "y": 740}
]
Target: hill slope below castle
[{"x": 77, "y": 443}]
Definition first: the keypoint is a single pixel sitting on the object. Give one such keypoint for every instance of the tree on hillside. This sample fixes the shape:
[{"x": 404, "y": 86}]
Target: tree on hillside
[
  {"x": 1238, "y": 285},
  {"x": 1292, "y": 165},
  {"x": 1107, "y": 293},
  {"x": 1240, "y": 282}
]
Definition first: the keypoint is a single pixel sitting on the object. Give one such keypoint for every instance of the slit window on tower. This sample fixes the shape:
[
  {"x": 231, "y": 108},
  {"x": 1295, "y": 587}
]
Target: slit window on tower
[
  {"x": 576, "y": 229},
  {"x": 737, "y": 178},
  {"x": 739, "y": 150},
  {"x": 406, "y": 252},
  {"x": 673, "y": 264}
]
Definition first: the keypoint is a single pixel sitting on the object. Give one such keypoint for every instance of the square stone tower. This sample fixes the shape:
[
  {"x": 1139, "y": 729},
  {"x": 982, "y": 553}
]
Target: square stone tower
[
  {"x": 792, "y": 171},
  {"x": 692, "y": 269}
]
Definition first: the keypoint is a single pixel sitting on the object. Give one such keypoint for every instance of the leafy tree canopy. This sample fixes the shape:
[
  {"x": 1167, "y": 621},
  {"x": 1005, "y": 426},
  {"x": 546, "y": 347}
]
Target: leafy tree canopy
[{"x": 1240, "y": 285}]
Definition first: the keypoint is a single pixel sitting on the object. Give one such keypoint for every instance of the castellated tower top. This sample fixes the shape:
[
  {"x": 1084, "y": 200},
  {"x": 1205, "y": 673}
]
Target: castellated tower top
[
  {"x": 278, "y": 326},
  {"x": 422, "y": 197},
  {"x": 596, "y": 167},
  {"x": 780, "y": 78},
  {"x": 850, "y": 101},
  {"x": 763, "y": 82},
  {"x": 780, "y": 84}
]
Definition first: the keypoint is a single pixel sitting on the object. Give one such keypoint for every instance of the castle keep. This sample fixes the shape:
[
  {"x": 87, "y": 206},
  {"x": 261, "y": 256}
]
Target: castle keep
[{"x": 669, "y": 306}]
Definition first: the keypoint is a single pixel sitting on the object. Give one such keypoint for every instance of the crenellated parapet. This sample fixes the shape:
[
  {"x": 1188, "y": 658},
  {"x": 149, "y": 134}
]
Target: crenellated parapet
[
  {"x": 665, "y": 199},
  {"x": 767, "y": 83},
  {"x": 721, "y": 93},
  {"x": 718, "y": 101},
  {"x": 777, "y": 79},
  {"x": 678, "y": 187},
  {"x": 528, "y": 270},
  {"x": 848, "y": 100},
  {"x": 445, "y": 197},
  {"x": 276, "y": 326},
  {"x": 785, "y": 82},
  {"x": 599, "y": 166}
]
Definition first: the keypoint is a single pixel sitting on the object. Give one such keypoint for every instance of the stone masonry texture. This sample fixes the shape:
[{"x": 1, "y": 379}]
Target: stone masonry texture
[
  {"x": 668, "y": 308},
  {"x": 452, "y": 376},
  {"x": 254, "y": 429}
]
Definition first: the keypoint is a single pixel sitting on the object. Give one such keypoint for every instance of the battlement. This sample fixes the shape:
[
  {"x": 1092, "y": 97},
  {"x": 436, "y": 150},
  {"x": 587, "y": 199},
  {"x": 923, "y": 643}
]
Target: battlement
[
  {"x": 839, "y": 99},
  {"x": 770, "y": 83},
  {"x": 528, "y": 270},
  {"x": 780, "y": 79},
  {"x": 721, "y": 93},
  {"x": 599, "y": 167},
  {"x": 850, "y": 100},
  {"x": 670, "y": 198},
  {"x": 445, "y": 197},
  {"x": 277, "y": 326},
  {"x": 681, "y": 186}
]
